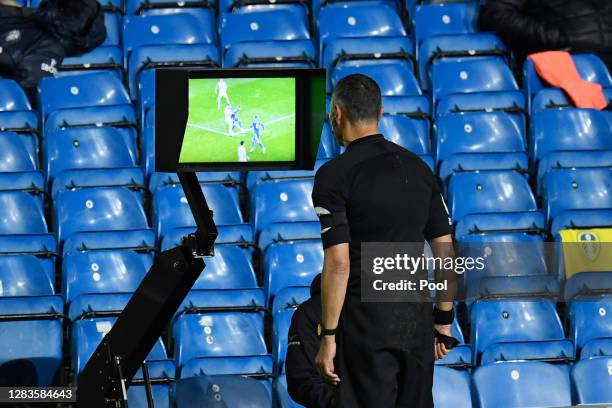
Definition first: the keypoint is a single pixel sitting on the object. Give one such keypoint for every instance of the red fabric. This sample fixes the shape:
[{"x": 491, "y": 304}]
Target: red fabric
[{"x": 558, "y": 69}]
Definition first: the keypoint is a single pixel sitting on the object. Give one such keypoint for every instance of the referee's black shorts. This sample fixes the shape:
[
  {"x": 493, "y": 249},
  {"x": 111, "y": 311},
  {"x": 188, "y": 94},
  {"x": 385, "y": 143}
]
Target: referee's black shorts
[{"x": 385, "y": 355}]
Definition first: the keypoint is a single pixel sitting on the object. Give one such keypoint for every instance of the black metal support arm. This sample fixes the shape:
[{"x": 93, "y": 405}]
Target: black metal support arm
[{"x": 109, "y": 372}]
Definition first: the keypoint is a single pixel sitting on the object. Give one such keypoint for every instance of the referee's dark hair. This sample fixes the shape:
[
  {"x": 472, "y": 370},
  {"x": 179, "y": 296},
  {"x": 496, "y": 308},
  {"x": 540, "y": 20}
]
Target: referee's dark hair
[{"x": 359, "y": 96}]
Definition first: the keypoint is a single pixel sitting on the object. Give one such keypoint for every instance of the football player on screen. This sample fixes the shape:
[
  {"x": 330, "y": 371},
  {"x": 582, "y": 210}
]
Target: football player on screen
[
  {"x": 221, "y": 92},
  {"x": 242, "y": 153},
  {"x": 258, "y": 127},
  {"x": 235, "y": 121}
]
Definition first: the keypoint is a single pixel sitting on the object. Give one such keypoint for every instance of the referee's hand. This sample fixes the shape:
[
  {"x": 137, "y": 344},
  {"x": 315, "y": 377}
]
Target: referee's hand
[
  {"x": 440, "y": 351},
  {"x": 324, "y": 361}
]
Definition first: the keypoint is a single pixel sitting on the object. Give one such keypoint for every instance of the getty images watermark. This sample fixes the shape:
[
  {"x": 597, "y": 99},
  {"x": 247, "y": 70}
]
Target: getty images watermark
[{"x": 410, "y": 272}]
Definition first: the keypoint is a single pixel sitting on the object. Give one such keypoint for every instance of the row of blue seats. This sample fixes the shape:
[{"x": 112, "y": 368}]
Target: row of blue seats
[
  {"x": 112, "y": 199},
  {"x": 228, "y": 339},
  {"x": 407, "y": 125},
  {"x": 365, "y": 33}
]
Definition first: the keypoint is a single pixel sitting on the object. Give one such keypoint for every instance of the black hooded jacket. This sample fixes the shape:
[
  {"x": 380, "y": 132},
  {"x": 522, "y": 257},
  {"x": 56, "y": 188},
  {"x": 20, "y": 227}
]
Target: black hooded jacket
[
  {"x": 33, "y": 42},
  {"x": 304, "y": 384},
  {"x": 527, "y": 26}
]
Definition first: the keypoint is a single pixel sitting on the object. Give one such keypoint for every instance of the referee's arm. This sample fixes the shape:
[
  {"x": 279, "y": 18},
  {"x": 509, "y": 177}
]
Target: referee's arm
[
  {"x": 329, "y": 199},
  {"x": 438, "y": 233}
]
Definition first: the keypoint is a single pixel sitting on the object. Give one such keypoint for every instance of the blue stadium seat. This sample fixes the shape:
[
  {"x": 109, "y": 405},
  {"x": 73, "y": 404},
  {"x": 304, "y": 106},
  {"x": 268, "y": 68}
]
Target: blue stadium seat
[
  {"x": 592, "y": 381},
  {"x": 517, "y": 329},
  {"x": 98, "y": 209},
  {"x": 230, "y": 268},
  {"x": 407, "y": 132},
  {"x": 454, "y": 46},
  {"x": 17, "y": 152},
  {"x": 15, "y": 110},
  {"x": 88, "y": 99},
  {"x": 443, "y": 19},
  {"x": 168, "y": 40},
  {"x": 22, "y": 213},
  {"x": 282, "y": 201},
  {"x": 87, "y": 335},
  {"x": 489, "y": 192},
  {"x": 171, "y": 209},
  {"x": 479, "y": 141},
  {"x": 291, "y": 264},
  {"x": 31, "y": 346},
  {"x": 129, "y": 177},
  {"x": 360, "y": 20},
  {"x": 262, "y": 36},
  {"x": 569, "y": 160},
  {"x": 229, "y": 390},
  {"x": 589, "y": 66},
  {"x": 591, "y": 324},
  {"x": 103, "y": 271},
  {"x": 226, "y": 330},
  {"x": 289, "y": 231},
  {"x": 523, "y": 383},
  {"x": 577, "y": 189},
  {"x": 89, "y": 147},
  {"x": 395, "y": 78},
  {"x": 451, "y": 388},
  {"x": 339, "y": 50},
  {"x": 24, "y": 275},
  {"x": 577, "y": 219},
  {"x": 473, "y": 75},
  {"x": 570, "y": 130}
]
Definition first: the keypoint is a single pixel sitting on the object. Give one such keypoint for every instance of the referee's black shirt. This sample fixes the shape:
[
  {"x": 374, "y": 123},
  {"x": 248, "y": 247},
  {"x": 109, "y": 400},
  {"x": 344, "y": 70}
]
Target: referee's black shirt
[{"x": 388, "y": 193}]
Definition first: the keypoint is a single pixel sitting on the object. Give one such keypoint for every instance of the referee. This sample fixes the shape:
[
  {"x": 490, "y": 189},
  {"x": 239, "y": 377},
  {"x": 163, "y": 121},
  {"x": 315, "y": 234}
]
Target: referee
[{"x": 378, "y": 354}]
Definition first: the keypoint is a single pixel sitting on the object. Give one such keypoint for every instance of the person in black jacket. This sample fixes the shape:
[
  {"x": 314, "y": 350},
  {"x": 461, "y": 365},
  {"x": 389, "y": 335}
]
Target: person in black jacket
[
  {"x": 528, "y": 26},
  {"x": 304, "y": 383},
  {"x": 33, "y": 42}
]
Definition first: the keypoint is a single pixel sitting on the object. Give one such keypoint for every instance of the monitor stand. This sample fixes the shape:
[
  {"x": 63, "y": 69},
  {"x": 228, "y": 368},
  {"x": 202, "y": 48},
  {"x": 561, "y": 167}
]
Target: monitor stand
[{"x": 109, "y": 372}]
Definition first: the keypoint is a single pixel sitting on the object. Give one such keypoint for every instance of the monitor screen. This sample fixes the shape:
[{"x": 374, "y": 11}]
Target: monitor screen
[
  {"x": 236, "y": 119},
  {"x": 240, "y": 120}
]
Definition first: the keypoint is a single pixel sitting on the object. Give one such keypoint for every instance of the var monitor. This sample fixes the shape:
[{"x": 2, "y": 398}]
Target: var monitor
[{"x": 238, "y": 119}]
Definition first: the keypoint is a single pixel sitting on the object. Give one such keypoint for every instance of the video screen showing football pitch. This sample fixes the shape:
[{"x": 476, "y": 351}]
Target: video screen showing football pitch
[{"x": 240, "y": 120}]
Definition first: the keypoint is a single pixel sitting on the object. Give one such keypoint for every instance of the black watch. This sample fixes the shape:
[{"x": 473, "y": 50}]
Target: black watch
[{"x": 322, "y": 331}]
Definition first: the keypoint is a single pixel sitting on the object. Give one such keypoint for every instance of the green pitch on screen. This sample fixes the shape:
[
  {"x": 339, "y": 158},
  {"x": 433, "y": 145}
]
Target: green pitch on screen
[{"x": 213, "y": 135}]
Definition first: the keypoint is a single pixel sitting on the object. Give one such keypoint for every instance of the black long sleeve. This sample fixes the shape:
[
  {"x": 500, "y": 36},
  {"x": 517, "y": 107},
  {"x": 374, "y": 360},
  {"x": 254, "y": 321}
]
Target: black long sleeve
[
  {"x": 521, "y": 30},
  {"x": 304, "y": 384}
]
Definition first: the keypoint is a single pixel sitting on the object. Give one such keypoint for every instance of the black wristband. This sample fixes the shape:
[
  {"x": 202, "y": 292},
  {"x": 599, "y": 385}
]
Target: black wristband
[{"x": 443, "y": 316}]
